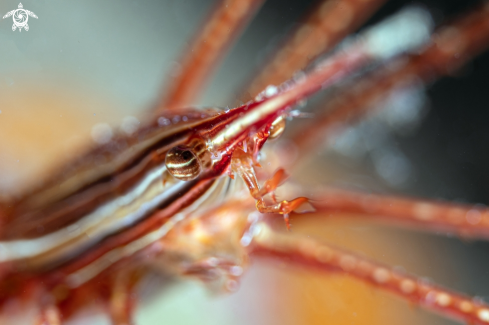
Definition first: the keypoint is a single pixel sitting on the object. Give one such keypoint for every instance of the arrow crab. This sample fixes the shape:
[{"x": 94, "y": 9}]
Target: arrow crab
[{"x": 108, "y": 257}]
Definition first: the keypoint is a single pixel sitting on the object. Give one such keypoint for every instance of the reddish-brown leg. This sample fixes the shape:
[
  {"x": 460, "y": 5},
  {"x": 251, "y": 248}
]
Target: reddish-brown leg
[
  {"x": 242, "y": 164},
  {"x": 50, "y": 316},
  {"x": 451, "y": 47},
  {"x": 210, "y": 44},
  {"x": 49, "y": 312},
  {"x": 327, "y": 24},
  {"x": 122, "y": 301},
  {"x": 309, "y": 253},
  {"x": 465, "y": 220}
]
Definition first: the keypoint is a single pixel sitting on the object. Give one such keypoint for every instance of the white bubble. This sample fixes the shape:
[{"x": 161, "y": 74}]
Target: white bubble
[
  {"x": 392, "y": 166},
  {"x": 270, "y": 91},
  {"x": 130, "y": 124},
  {"x": 102, "y": 133},
  {"x": 163, "y": 121},
  {"x": 236, "y": 270}
]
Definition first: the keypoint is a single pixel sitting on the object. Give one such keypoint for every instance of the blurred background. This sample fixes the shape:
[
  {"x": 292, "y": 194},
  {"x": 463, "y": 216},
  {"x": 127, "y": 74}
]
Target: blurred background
[{"x": 83, "y": 63}]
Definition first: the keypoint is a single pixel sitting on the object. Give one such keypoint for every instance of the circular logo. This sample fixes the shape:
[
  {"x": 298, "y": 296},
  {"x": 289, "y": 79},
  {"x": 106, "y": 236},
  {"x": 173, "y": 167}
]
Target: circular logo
[{"x": 20, "y": 17}]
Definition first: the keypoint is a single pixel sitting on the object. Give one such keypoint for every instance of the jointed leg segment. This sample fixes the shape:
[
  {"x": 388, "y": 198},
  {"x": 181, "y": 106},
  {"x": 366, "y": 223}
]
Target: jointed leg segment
[
  {"x": 121, "y": 302},
  {"x": 242, "y": 164},
  {"x": 309, "y": 253},
  {"x": 49, "y": 315},
  {"x": 461, "y": 219}
]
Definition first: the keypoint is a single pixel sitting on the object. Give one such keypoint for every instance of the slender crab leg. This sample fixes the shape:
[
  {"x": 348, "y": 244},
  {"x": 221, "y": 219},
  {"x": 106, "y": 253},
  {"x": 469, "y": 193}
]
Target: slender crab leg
[
  {"x": 465, "y": 220},
  {"x": 218, "y": 33},
  {"x": 450, "y": 48},
  {"x": 50, "y": 315},
  {"x": 327, "y": 24},
  {"x": 122, "y": 300},
  {"x": 309, "y": 253}
]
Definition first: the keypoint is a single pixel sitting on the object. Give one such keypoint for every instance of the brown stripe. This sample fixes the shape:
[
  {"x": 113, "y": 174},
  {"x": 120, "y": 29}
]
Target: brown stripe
[
  {"x": 195, "y": 190},
  {"x": 26, "y": 220}
]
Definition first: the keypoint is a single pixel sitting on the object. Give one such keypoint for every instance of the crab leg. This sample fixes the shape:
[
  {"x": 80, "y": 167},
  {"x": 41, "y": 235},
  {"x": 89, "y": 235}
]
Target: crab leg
[
  {"x": 309, "y": 253},
  {"x": 450, "y": 48},
  {"x": 50, "y": 315},
  {"x": 122, "y": 301},
  {"x": 327, "y": 24},
  {"x": 214, "y": 38},
  {"x": 465, "y": 220}
]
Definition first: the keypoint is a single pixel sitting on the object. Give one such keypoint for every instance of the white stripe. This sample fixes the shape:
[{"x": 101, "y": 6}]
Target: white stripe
[
  {"x": 267, "y": 107},
  {"x": 206, "y": 201},
  {"x": 109, "y": 218}
]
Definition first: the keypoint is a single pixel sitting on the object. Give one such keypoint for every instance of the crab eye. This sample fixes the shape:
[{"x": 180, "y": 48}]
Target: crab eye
[
  {"x": 186, "y": 162},
  {"x": 183, "y": 163},
  {"x": 277, "y": 128}
]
